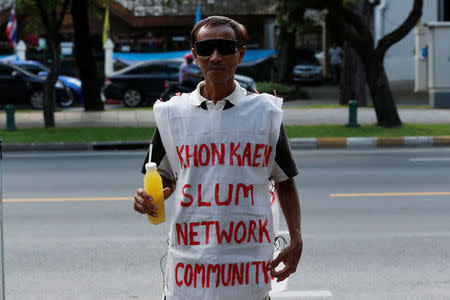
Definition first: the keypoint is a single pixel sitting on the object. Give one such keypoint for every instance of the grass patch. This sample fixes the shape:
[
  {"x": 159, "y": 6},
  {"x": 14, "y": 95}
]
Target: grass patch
[
  {"x": 42, "y": 135},
  {"x": 414, "y": 106},
  {"x": 133, "y": 108},
  {"x": 368, "y": 131},
  {"x": 282, "y": 90},
  {"x": 346, "y": 106},
  {"x": 315, "y": 106},
  {"x": 89, "y": 134}
]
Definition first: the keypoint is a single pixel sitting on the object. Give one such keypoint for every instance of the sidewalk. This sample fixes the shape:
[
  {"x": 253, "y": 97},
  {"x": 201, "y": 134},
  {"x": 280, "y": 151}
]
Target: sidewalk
[{"x": 293, "y": 115}]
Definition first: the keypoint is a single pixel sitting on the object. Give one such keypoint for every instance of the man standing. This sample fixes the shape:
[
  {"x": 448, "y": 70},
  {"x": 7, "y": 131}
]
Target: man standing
[
  {"x": 186, "y": 77},
  {"x": 336, "y": 55},
  {"x": 216, "y": 149}
]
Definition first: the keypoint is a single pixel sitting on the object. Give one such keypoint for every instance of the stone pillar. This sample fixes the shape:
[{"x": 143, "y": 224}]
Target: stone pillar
[
  {"x": 439, "y": 64},
  {"x": 269, "y": 34},
  {"x": 109, "y": 49},
  {"x": 21, "y": 49},
  {"x": 420, "y": 60}
]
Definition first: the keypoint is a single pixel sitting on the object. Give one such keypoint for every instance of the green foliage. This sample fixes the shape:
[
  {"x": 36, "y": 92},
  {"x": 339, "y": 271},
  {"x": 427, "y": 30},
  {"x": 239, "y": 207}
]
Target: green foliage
[
  {"x": 30, "y": 9},
  {"x": 289, "y": 14},
  {"x": 352, "y": 1},
  {"x": 68, "y": 135},
  {"x": 282, "y": 90},
  {"x": 367, "y": 131}
]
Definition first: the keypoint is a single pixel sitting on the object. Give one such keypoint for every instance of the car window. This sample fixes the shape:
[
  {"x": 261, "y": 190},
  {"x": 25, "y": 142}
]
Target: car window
[
  {"x": 22, "y": 71},
  {"x": 304, "y": 56},
  {"x": 195, "y": 69},
  {"x": 34, "y": 69},
  {"x": 150, "y": 69},
  {"x": 307, "y": 61},
  {"x": 173, "y": 68}
]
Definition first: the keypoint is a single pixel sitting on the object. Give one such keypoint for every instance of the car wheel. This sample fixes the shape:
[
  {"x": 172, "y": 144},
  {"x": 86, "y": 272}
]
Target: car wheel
[
  {"x": 69, "y": 100},
  {"x": 37, "y": 99},
  {"x": 132, "y": 98}
]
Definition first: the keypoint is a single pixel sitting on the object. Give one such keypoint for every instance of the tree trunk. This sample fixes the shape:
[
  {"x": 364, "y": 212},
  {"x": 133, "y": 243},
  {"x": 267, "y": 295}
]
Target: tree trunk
[
  {"x": 49, "y": 16},
  {"x": 353, "y": 84},
  {"x": 49, "y": 85},
  {"x": 383, "y": 101},
  {"x": 84, "y": 57},
  {"x": 286, "y": 55}
]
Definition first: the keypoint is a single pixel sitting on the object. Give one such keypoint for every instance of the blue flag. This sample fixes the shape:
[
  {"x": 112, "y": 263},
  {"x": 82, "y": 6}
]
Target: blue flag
[{"x": 198, "y": 15}]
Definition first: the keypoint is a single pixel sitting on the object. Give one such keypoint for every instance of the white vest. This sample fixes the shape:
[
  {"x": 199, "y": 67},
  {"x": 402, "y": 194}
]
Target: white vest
[{"x": 221, "y": 238}]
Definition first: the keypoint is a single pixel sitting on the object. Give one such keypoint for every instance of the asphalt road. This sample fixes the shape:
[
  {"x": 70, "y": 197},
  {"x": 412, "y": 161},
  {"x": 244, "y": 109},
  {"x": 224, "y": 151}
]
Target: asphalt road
[{"x": 82, "y": 240}]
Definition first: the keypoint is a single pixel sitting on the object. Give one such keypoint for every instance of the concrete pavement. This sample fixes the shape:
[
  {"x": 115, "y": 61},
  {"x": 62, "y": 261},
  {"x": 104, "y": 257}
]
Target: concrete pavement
[
  {"x": 296, "y": 112},
  {"x": 292, "y": 116}
]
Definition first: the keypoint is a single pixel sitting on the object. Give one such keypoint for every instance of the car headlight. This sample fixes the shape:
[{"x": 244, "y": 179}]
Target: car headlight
[
  {"x": 59, "y": 84},
  {"x": 319, "y": 69}
]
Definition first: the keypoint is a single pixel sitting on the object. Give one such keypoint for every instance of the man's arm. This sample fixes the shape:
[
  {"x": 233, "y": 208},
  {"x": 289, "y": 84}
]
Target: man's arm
[{"x": 290, "y": 205}]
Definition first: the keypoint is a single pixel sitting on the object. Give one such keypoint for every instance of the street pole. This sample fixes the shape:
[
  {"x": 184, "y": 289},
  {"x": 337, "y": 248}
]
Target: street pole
[
  {"x": 2, "y": 252},
  {"x": 352, "y": 114}
]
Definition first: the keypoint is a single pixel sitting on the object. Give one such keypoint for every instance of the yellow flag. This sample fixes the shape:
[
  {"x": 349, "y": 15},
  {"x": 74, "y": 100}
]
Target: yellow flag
[{"x": 106, "y": 26}]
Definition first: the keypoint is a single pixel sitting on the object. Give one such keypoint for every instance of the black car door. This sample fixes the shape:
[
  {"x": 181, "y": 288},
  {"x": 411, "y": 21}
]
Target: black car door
[
  {"x": 12, "y": 86},
  {"x": 151, "y": 79}
]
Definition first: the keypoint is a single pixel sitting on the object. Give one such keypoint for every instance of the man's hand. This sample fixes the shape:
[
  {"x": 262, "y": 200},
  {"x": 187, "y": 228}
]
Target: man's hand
[
  {"x": 143, "y": 202},
  {"x": 290, "y": 257}
]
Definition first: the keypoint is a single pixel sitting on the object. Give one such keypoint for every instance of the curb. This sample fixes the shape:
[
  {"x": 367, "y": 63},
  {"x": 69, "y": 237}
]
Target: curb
[
  {"x": 296, "y": 144},
  {"x": 370, "y": 142}
]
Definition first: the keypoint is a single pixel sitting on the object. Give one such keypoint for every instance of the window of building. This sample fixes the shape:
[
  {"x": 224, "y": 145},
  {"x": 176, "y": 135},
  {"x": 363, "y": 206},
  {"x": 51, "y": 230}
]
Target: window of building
[
  {"x": 447, "y": 10},
  {"x": 444, "y": 10}
]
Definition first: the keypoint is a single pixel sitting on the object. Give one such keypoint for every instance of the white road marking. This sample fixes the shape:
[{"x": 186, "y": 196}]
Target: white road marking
[
  {"x": 430, "y": 159},
  {"x": 299, "y": 294},
  {"x": 51, "y": 154},
  {"x": 17, "y": 200},
  {"x": 390, "y": 194}
]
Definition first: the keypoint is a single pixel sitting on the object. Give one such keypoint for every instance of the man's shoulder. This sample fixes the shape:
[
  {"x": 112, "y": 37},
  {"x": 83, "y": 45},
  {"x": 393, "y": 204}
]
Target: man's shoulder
[
  {"x": 264, "y": 99},
  {"x": 175, "y": 101}
]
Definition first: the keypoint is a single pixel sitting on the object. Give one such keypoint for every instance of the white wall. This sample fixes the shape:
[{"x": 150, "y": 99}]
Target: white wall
[{"x": 399, "y": 60}]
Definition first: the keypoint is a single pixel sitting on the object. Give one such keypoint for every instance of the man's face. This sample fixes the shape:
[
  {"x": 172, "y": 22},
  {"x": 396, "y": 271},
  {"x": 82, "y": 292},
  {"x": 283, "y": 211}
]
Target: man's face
[{"x": 218, "y": 68}]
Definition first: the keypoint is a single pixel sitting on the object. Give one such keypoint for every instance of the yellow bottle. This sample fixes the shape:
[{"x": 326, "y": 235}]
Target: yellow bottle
[{"x": 153, "y": 186}]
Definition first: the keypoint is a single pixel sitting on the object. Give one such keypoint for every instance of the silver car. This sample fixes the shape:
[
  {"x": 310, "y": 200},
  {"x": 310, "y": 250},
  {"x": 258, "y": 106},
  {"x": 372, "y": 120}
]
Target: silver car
[{"x": 307, "y": 68}]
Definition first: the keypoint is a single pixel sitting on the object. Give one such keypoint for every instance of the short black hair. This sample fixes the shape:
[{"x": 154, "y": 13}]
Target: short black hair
[{"x": 239, "y": 30}]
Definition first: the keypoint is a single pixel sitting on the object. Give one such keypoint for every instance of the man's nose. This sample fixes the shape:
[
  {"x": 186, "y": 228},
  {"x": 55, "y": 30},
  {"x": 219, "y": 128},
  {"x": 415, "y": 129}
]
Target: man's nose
[{"x": 215, "y": 56}]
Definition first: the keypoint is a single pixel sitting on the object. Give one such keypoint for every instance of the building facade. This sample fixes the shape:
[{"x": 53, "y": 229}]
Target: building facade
[
  {"x": 154, "y": 25},
  {"x": 399, "y": 60}
]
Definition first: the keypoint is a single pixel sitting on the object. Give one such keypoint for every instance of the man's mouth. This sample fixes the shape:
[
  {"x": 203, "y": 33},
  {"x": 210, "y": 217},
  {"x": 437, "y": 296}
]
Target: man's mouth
[{"x": 215, "y": 68}]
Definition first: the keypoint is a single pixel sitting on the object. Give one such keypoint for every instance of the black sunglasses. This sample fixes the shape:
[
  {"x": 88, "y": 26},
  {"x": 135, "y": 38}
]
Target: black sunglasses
[{"x": 224, "y": 47}]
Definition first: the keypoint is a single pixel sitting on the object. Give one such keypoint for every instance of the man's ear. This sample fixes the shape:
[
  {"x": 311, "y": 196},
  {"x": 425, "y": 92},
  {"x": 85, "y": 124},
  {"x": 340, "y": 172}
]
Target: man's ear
[
  {"x": 242, "y": 53},
  {"x": 195, "y": 55}
]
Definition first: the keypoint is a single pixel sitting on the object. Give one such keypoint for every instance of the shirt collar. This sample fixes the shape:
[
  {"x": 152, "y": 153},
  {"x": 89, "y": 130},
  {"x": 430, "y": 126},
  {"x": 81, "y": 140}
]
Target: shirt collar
[{"x": 234, "y": 98}]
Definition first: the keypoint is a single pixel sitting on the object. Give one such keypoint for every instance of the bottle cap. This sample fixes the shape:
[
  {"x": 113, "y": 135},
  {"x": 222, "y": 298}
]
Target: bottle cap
[{"x": 151, "y": 166}]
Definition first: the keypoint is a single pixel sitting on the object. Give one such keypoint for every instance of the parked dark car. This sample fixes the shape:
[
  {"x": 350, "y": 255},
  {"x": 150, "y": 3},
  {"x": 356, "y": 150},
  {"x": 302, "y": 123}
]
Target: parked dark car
[
  {"x": 307, "y": 68},
  {"x": 143, "y": 83},
  {"x": 19, "y": 86},
  {"x": 38, "y": 68}
]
